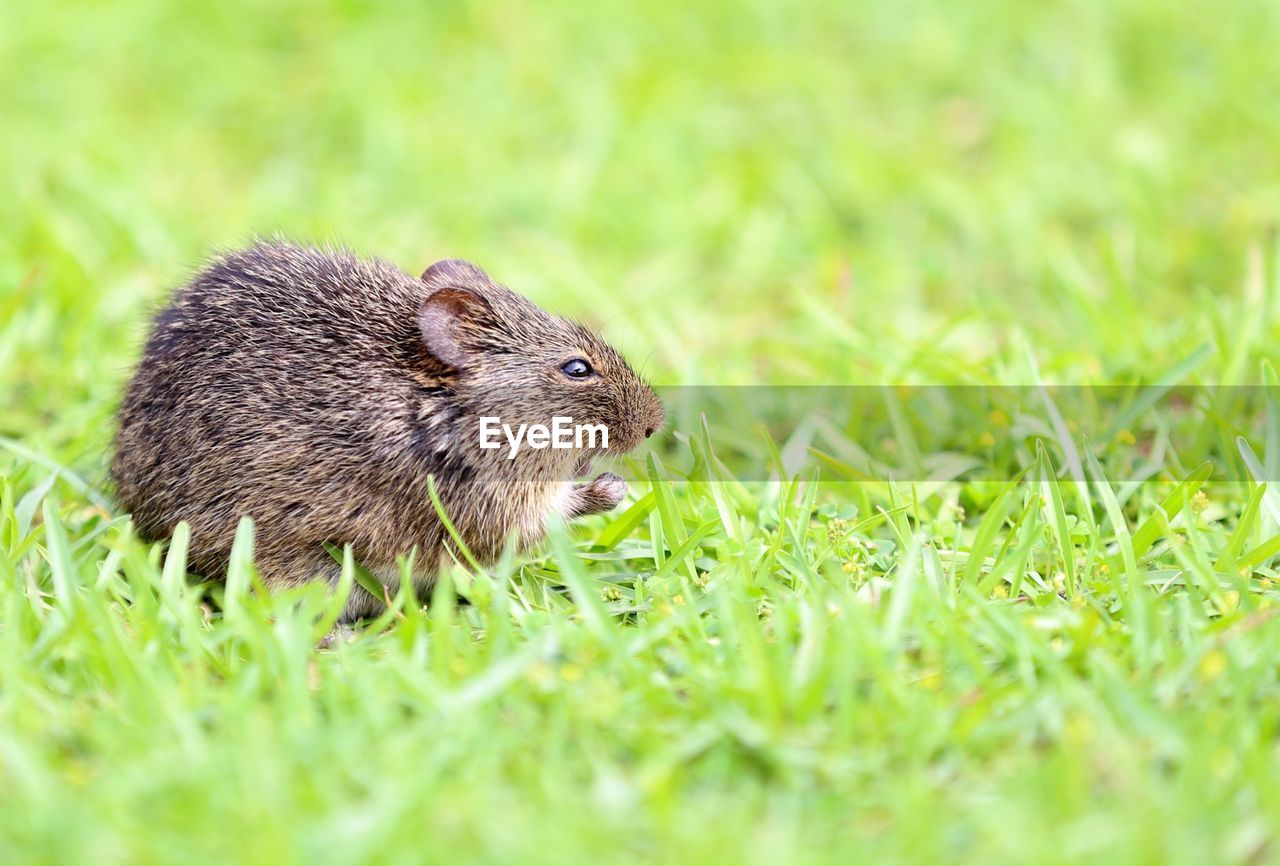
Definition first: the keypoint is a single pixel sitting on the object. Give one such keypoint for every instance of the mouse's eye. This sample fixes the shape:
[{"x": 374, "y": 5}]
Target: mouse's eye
[{"x": 576, "y": 369}]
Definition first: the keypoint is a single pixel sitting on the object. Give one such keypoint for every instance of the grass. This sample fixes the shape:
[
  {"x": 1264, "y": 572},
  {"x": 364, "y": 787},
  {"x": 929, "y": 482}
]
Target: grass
[{"x": 1068, "y": 667}]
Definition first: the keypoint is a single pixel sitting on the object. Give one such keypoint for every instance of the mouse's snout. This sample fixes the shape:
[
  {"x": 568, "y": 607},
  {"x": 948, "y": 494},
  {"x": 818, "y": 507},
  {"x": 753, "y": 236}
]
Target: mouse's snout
[
  {"x": 655, "y": 412},
  {"x": 638, "y": 413}
]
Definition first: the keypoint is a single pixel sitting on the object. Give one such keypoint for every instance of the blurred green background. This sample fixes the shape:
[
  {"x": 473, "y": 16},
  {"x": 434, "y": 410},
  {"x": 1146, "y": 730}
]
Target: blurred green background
[
  {"x": 736, "y": 193},
  {"x": 736, "y": 187}
]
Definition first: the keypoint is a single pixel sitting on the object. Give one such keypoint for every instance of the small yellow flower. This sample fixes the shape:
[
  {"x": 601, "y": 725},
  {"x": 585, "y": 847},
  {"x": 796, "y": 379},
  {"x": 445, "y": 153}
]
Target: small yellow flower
[
  {"x": 1126, "y": 437},
  {"x": 1078, "y": 728},
  {"x": 932, "y": 681},
  {"x": 1199, "y": 502},
  {"x": 1212, "y": 665},
  {"x": 986, "y": 440}
]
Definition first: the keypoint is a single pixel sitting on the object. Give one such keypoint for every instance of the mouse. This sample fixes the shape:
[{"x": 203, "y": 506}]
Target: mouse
[{"x": 322, "y": 394}]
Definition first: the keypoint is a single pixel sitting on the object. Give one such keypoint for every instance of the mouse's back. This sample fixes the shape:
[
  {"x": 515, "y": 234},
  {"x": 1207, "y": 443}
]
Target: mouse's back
[{"x": 289, "y": 366}]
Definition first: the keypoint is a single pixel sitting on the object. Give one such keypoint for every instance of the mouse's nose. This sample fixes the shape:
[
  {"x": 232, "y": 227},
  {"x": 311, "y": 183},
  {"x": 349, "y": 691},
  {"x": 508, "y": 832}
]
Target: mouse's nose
[{"x": 648, "y": 432}]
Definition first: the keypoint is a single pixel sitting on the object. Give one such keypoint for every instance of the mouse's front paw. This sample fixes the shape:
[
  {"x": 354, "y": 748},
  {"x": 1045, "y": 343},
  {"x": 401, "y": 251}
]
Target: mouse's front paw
[
  {"x": 602, "y": 493},
  {"x": 610, "y": 488}
]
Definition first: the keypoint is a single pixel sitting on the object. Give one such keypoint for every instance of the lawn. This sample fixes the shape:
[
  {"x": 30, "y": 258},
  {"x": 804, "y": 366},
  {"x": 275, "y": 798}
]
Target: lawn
[{"x": 1069, "y": 656}]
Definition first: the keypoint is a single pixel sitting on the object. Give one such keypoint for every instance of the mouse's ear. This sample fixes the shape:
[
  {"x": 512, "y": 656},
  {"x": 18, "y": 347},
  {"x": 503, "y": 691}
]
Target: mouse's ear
[
  {"x": 445, "y": 320},
  {"x": 454, "y": 272}
]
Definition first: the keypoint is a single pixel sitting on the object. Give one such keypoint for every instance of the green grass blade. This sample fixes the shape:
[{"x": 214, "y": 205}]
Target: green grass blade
[
  {"x": 61, "y": 565},
  {"x": 1058, "y": 515}
]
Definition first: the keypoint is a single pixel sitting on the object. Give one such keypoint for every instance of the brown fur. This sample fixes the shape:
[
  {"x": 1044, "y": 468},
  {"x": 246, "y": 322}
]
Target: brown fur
[{"x": 316, "y": 392}]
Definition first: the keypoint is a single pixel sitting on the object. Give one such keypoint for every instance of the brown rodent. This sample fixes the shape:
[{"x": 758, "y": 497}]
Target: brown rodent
[{"x": 316, "y": 392}]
